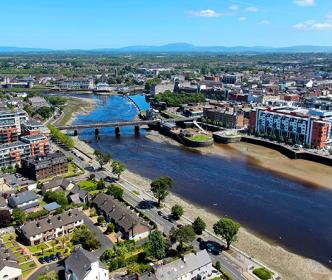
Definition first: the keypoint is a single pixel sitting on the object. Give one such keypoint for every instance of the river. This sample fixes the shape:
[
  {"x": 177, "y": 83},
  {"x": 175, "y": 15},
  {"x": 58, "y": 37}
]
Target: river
[{"x": 290, "y": 213}]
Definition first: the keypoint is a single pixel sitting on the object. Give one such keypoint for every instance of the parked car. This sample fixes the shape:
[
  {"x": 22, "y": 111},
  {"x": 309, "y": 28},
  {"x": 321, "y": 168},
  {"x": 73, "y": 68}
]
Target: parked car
[
  {"x": 53, "y": 258},
  {"x": 41, "y": 260},
  {"x": 59, "y": 255},
  {"x": 47, "y": 259}
]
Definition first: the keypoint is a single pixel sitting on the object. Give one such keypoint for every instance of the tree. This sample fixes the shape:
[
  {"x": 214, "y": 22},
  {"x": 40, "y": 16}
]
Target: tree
[
  {"x": 177, "y": 211},
  {"x": 157, "y": 245},
  {"x": 86, "y": 238},
  {"x": 101, "y": 220},
  {"x": 101, "y": 184},
  {"x": 118, "y": 168},
  {"x": 58, "y": 197},
  {"x": 19, "y": 216},
  {"x": 116, "y": 191},
  {"x": 227, "y": 229},
  {"x": 199, "y": 226},
  {"x": 185, "y": 234},
  {"x": 5, "y": 218},
  {"x": 160, "y": 187},
  {"x": 102, "y": 158},
  {"x": 110, "y": 229},
  {"x": 218, "y": 266}
]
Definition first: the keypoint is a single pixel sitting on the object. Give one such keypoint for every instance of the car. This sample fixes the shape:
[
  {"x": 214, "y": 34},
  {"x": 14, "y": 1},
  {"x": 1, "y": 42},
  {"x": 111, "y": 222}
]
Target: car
[
  {"x": 47, "y": 259},
  {"x": 59, "y": 255},
  {"x": 160, "y": 213},
  {"x": 53, "y": 258},
  {"x": 41, "y": 260},
  {"x": 179, "y": 226}
]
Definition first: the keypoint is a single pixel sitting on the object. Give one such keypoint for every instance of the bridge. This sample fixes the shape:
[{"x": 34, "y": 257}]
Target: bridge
[{"x": 118, "y": 124}]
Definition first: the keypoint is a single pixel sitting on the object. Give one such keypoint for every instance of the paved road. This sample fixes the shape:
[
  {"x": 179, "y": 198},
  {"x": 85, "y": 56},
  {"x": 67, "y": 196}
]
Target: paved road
[{"x": 46, "y": 268}]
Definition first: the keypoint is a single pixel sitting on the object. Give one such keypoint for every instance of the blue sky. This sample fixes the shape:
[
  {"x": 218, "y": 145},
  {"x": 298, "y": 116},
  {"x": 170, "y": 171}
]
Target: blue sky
[{"x": 87, "y": 24}]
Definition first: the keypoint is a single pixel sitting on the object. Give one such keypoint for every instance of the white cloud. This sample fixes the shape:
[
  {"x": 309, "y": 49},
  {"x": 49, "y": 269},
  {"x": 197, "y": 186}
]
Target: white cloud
[
  {"x": 264, "y": 22},
  {"x": 304, "y": 2},
  {"x": 252, "y": 9},
  {"x": 234, "y": 7},
  {"x": 242, "y": 18},
  {"x": 313, "y": 25},
  {"x": 206, "y": 13}
]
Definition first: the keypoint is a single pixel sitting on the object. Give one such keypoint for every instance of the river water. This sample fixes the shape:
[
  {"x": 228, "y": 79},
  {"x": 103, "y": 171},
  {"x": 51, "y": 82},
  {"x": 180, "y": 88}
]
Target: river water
[{"x": 290, "y": 213}]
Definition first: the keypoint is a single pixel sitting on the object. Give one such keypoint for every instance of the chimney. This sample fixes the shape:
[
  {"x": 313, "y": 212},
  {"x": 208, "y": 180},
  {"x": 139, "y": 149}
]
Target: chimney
[
  {"x": 69, "y": 214},
  {"x": 49, "y": 221},
  {"x": 38, "y": 225},
  {"x": 59, "y": 218}
]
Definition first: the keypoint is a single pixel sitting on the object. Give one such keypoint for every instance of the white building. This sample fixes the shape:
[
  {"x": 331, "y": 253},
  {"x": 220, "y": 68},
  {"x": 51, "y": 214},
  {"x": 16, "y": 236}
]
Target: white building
[
  {"x": 9, "y": 266},
  {"x": 84, "y": 265}
]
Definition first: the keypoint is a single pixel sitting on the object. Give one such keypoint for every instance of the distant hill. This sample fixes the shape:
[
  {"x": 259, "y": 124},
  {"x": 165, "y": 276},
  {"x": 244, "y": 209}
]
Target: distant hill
[{"x": 179, "y": 48}]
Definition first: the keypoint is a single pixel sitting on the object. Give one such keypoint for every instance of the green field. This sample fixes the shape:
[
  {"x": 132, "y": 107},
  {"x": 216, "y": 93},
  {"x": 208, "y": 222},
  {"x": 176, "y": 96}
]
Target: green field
[{"x": 200, "y": 138}]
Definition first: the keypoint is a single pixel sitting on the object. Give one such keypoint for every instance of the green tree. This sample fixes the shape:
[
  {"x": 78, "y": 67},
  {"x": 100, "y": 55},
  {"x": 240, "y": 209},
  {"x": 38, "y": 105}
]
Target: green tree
[
  {"x": 160, "y": 187},
  {"x": 185, "y": 234},
  {"x": 177, "y": 211},
  {"x": 101, "y": 220},
  {"x": 116, "y": 191},
  {"x": 157, "y": 245},
  {"x": 110, "y": 228},
  {"x": 102, "y": 158},
  {"x": 118, "y": 168},
  {"x": 58, "y": 197},
  {"x": 86, "y": 238},
  {"x": 227, "y": 229},
  {"x": 199, "y": 225},
  {"x": 19, "y": 216},
  {"x": 101, "y": 184}
]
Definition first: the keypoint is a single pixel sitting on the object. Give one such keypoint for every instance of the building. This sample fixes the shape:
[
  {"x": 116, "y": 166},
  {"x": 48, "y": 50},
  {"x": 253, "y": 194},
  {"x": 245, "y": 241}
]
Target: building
[
  {"x": 32, "y": 127},
  {"x": 38, "y": 102},
  {"x": 294, "y": 125},
  {"x": 25, "y": 200},
  {"x": 193, "y": 266},
  {"x": 51, "y": 227},
  {"x": 38, "y": 143},
  {"x": 10, "y": 125},
  {"x": 57, "y": 184},
  {"x": 13, "y": 153},
  {"x": 9, "y": 266},
  {"x": 84, "y": 265},
  {"x": 77, "y": 195},
  {"x": 160, "y": 88},
  {"x": 227, "y": 117},
  {"x": 127, "y": 222},
  {"x": 43, "y": 167},
  {"x": 87, "y": 84}
]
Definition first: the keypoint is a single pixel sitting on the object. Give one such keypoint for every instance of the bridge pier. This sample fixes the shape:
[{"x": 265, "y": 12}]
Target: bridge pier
[
  {"x": 137, "y": 130},
  {"x": 97, "y": 131},
  {"x": 117, "y": 131},
  {"x": 75, "y": 132}
]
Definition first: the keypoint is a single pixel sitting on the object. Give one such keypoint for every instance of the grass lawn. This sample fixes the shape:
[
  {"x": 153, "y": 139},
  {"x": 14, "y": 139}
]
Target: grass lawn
[
  {"x": 88, "y": 185},
  {"x": 37, "y": 248},
  {"x": 8, "y": 237},
  {"x": 9, "y": 245},
  {"x": 73, "y": 170},
  {"x": 200, "y": 137},
  {"x": 27, "y": 266},
  {"x": 23, "y": 259}
]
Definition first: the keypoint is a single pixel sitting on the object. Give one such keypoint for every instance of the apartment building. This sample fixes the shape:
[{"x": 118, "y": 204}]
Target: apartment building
[
  {"x": 32, "y": 127},
  {"x": 51, "y": 227},
  {"x": 38, "y": 142},
  {"x": 228, "y": 117},
  {"x": 160, "y": 88},
  {"x": 43, "y": 167},
  {"x": 302, "y": 126},
  {"x": 10, "y": 125},
  {"x": 87, "y": 84},
  {"x": 13, "y": 153}
]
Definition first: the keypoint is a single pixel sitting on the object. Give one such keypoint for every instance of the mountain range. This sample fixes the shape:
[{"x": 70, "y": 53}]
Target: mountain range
[{"x": 179, "y": 48}]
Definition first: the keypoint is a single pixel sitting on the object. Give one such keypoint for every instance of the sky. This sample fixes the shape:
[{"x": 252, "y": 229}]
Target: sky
[{"x": 91, "y": 24}]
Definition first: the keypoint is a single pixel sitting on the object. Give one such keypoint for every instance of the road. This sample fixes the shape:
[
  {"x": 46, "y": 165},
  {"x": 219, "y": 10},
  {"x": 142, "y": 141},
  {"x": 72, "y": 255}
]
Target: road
[
  {"x": 143, "y": 202},
  {"x": 59, "y": 267}
]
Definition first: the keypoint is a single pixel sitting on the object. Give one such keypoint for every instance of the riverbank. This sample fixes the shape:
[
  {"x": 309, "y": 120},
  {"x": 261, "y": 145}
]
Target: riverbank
[
  {"x": 76, "y": 106},
  {"x": 287, "y": 264}
]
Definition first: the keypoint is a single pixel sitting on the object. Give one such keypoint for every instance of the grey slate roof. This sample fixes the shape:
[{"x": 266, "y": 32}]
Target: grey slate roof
[
  {"x": 79, "y": 262},
  {"x": 180, "y": 267},
  {"x": 7, "y": 258},
  {"x": 80, "y": 192},
  {"x": 20, "y": 198},
  {"x": 49, "y": 223},
  {"x": 46, "y": 161},
  {"x": 56, "y": 182}
]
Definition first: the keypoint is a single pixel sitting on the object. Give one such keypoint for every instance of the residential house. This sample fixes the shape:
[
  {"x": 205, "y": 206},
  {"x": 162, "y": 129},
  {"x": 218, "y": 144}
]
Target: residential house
[
  {"x": 9, "y": 266},
  {"x": 84, "y": 265},
  {"x": 51, "y": 227},
  {"x": 25, "y": 200},
  {"x": 77, "y": 195},
  {"x": 57, "y": 184},
  {"x": 127, "y": 222},
  {"x": 193, "y": 266}
]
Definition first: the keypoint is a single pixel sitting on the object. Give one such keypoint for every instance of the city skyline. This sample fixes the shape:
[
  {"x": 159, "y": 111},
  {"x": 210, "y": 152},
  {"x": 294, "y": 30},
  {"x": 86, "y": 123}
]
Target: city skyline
[{"x": 104, "y": 24}]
